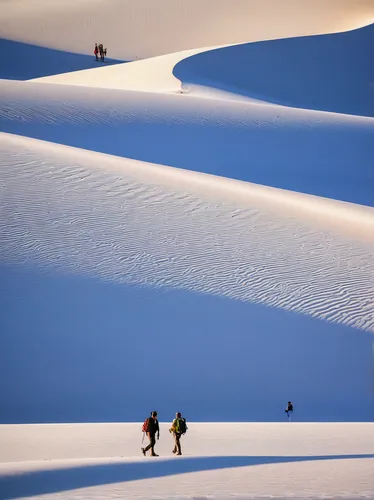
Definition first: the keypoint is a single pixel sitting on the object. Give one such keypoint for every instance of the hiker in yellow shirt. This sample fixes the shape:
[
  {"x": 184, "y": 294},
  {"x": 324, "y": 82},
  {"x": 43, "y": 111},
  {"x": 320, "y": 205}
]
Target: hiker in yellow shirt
[{"x": 178, "y": 428}]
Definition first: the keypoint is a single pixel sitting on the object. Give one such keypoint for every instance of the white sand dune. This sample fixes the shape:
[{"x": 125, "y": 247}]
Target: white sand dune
[
  {"x": 135, "y": 223},
  {"x": 105, "y": 179},
  {"x": 156, "y": 73},
  {"x": 148, "y": 75},
  {"x": 301, "y": 72},
  {"x": 326, "y": 154},
  {"x": 107, "y": 219},
  {"x": 221, "y": 462},
  {"x": 137, "y": 29}
]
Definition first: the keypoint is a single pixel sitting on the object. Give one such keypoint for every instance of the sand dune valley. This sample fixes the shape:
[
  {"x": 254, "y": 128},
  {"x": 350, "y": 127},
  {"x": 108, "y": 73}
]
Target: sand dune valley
[{"x": 187, "y": 225}]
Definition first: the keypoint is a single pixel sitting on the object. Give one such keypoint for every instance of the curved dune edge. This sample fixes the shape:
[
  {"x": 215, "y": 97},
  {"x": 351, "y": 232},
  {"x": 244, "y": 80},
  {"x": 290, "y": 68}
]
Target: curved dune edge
[
  {"x": 138, "y": 29},
  {"x": 154, "y": 73},
  {"x": 293, "y": 72},
  {"x": 149, "y": 75},
  {"x": 130, "y": 222},
  {"x": 313, "y": 152},
  {"x": 351, "y": 220}
]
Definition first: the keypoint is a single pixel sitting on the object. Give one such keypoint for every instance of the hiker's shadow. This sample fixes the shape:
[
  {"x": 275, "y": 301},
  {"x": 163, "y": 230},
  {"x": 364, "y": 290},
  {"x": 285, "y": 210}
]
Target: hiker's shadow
[{"x": 56, "y": 480}]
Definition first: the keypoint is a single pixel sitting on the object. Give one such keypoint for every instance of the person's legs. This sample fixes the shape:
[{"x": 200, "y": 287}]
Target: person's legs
[
  {"x": 152, "y": 442},
  {"x": 177, "y": 447}
]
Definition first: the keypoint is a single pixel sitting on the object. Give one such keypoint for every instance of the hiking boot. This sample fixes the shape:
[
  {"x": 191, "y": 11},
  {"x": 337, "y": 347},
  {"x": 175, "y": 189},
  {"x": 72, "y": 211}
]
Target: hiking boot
[
  {"x": 143, "y": 451},
  {"x": 154, "y": 455},
  {"x": 178, "y": 453}
]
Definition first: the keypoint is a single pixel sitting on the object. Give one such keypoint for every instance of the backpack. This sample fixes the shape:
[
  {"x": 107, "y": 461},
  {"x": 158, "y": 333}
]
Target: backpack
[
  {"x": 146, "y": 425},
  {"x": 181, "y": 425}
]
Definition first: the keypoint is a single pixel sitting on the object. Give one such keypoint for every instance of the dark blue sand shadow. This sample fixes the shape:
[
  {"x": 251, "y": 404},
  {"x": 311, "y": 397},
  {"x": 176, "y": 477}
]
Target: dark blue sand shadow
[
  {"x": 76, "y": 349},
  {"x": 22, "y": 61},
  {"x": 52, "y": 481},
  {"x": 325, "y": 72}
]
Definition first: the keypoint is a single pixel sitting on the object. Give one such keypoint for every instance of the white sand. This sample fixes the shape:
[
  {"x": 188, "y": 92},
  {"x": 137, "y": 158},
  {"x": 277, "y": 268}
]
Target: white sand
[
  {"x": 138, "y": 223},
  {"x": 84, "y": 212},
  {"x": 220, "y": 461},
  {"x": 144, "y": 28},
  {"x": 139, "y": 29}
]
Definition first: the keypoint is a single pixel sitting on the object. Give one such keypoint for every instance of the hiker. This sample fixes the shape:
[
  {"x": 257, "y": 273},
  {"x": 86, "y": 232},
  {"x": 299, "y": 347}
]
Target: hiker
[
  {"x": 96, "y": 51},
  {"x": 289, "y": 409},
  {"x": 178, "y": 429},
  {"x": 105, "y": 51},
  {"x": 101, "y": 50},
  {"x": 151, "y": 428}
]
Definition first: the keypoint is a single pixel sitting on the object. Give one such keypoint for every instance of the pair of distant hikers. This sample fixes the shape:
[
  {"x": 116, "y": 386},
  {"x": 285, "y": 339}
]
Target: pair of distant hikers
[
  {"x": 100, "y": 50},
  {"x": 151, "y": 428}
]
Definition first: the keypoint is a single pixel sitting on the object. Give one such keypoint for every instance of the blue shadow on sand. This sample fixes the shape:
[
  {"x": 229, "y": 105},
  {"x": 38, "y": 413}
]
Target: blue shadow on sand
[
  {"x": 52, "y": 481},
  {"x": 332, "y": 72},
  {"x": 22, "y": 61},
  {"x": 75, "y": 349}
]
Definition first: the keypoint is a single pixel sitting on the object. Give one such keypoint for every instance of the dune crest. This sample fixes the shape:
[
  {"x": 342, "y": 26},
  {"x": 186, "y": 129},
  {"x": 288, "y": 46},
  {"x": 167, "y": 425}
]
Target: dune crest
[
  {"x": 138, "y": 29},
  {"x": 134, "y": 223}
]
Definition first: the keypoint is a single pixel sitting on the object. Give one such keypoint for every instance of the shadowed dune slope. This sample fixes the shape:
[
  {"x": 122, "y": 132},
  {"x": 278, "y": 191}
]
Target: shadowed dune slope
[
  {"x": 318, "y": 153},
  {"x": 327, "y": 72},
  {"x": 22, "y": 61},
  {"x": 133, "y": 223},
  {"x": 102, "y": 257}
]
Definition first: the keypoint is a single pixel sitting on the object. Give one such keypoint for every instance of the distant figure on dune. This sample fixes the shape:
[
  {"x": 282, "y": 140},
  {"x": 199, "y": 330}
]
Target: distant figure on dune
[
  {"x": 289, "y": 410},
  {"x": 178, "y": 429},
  {"x": 151, "y": 428},
  {"x": 101, "y": 50}
]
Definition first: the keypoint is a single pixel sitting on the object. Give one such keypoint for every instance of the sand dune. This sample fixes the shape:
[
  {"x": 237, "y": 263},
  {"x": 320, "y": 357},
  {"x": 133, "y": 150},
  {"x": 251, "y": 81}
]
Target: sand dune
[
  {"x": 325, "y": 154},
  {"x": 112, "y": 235},
  {"x": 87, "y": 461},
  {"x": 137, "y": 29},
  {"x": 326, "y": 72},
  {"x": 256, "y": 70},
  {"x": 149, "y": 75},
  {"x": 141, "y": 224}
]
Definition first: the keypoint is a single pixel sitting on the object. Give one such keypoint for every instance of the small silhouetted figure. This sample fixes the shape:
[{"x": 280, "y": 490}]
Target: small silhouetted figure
[
  {"x": 104, "y": 52},
  {"x": 151, "y": 428},
  {"x": 289, "y": 410},
  {"x": 101, "y": 51},
  {"x": 96, "y": 52},
  {"x": 178, "y": 428}
]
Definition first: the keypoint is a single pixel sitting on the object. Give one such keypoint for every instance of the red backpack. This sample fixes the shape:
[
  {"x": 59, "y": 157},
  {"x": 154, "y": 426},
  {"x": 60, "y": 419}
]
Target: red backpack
[{"x": 146, "y": 425}]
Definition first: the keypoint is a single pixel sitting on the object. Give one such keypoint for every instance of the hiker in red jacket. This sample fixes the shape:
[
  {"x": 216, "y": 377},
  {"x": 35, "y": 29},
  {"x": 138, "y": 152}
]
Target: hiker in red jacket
[
  {"x": 96, "y": 51},
  {"x": 151, "y": 428}
]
